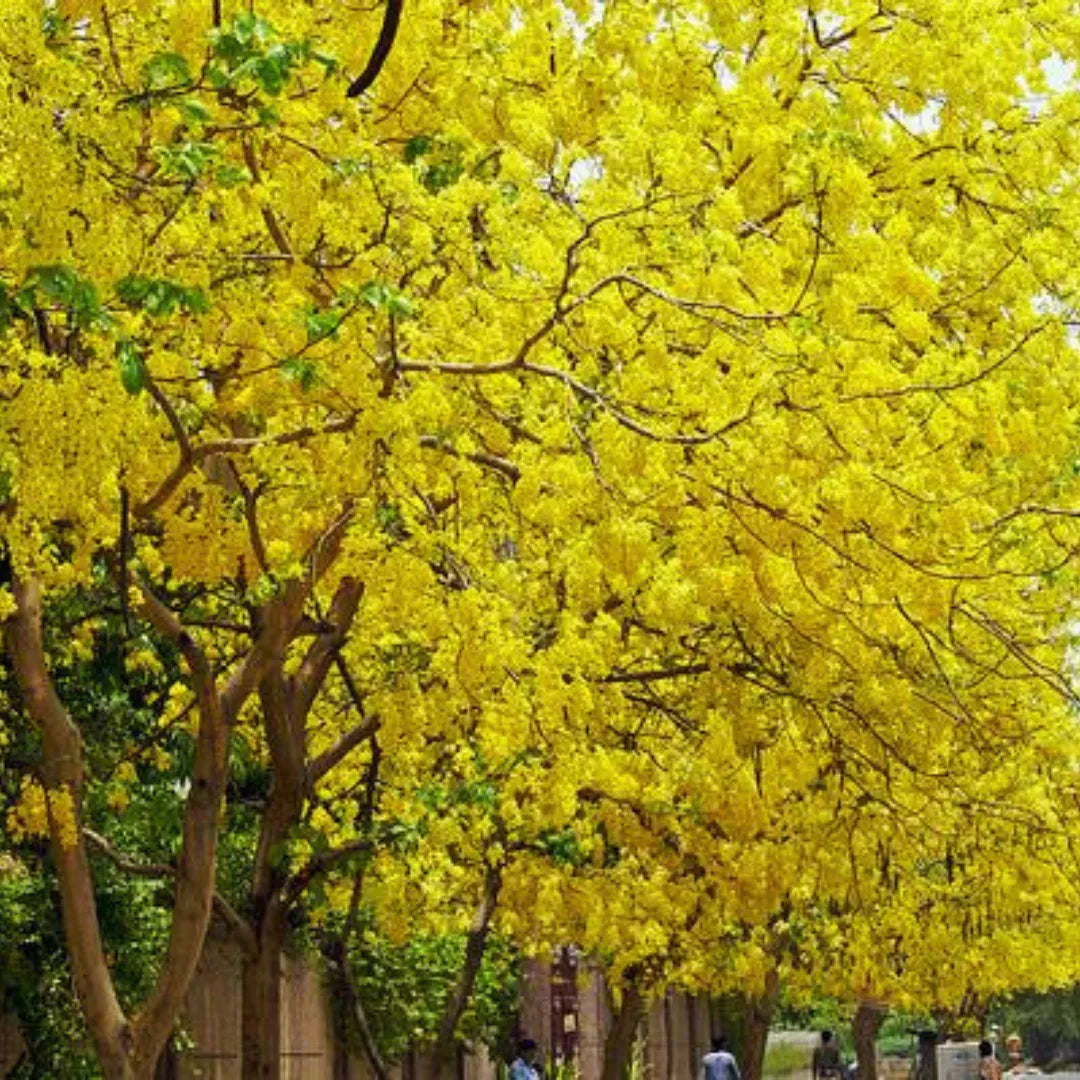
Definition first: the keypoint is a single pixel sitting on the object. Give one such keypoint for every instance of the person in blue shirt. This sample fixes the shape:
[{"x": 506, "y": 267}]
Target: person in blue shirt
[
  {"x": 523, "y": 1067},
  {"x": 720, "y": 1064}
]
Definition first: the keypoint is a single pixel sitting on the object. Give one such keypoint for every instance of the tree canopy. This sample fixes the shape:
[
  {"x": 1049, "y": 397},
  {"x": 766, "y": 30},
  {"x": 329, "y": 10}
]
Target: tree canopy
[{"x": 623, "y": 461}]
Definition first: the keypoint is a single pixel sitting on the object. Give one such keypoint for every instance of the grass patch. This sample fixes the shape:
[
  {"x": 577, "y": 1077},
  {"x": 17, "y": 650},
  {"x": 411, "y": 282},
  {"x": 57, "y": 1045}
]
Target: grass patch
[{"x": 785, "y": 1057}]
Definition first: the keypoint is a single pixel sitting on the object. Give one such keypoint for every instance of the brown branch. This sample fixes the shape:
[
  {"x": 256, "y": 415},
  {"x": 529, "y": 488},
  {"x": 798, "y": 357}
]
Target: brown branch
[
  {"x": 475, "y": 944},
  {"x": 338, "y": 952},
  {"x": 319, "y": 864},
  {"x": 657, "y": 675},
  {"x": 381, "y": 52},
  {"x": 166, "y": 870},
  {"x": 168, "y": 624},
  {"x": 621, "y": 418},
  {"x": 192, "y": 456},
  {"x": 942, "y": 388},
  {"x": 280, "y": 619},
  {"x": 270, "y": 219},
  {"x": 62, "y": 764},
  {"x": 319, "y": 766},
  {"x": 480, "y": 457},
  {"x": 309, "y": 679}
]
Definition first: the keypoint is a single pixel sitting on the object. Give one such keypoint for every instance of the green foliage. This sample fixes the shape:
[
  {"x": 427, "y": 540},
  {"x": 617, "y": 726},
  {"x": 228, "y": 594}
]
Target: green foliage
[
  {"x": 1049, "y": 1023},
  {"x": 440, "y": 162},
  {"x": 404, "y": 989},
  {"x": 129, "y": 363},
  {"x": 187, "y": 160},
  {"x": 785, "y": 1057},
  {"x": 302, "y": 371},
  {"x": 158, "y": 296},
  {"x": 249, "y": 55},
  {"x": 56, "y": 285},
  {"x": 166, "y": 71},
  {"x": 35, "y": 980}
]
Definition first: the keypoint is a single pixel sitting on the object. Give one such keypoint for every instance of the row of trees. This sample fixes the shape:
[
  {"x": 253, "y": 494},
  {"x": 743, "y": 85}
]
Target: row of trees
[{"x": 613, "y": 483}]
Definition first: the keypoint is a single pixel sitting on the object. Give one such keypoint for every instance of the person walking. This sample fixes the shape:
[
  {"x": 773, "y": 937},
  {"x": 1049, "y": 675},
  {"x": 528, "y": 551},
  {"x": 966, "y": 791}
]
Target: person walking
[
  {"x": 826, "y": 1063},
  {"x": 720, "y": 1063},
  {"x": 989, "y": 1066},
  {"x": 523, "y": 1067}
]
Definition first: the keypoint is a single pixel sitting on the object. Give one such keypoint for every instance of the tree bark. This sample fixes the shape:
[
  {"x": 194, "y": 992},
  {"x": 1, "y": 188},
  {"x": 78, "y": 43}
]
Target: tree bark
[
  {"x": 445, "y": 1055},
  {"x": 619, "y": 1044},
  {"x": 286, "y": 701},
  {"x": 759, "y": 1014},
  {"x": 260, "y": 1009},
  {"x": 865, "y": 1026},
  {"x": 62, "y": 767}
]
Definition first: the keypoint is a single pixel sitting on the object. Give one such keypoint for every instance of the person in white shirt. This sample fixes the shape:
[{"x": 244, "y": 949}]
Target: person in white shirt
[{"x": 720, "y": 1064}]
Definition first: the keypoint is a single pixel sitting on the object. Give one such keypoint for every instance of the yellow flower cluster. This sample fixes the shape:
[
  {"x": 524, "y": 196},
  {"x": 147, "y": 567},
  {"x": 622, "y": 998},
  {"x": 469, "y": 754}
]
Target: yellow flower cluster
[{"x": 38, "y": 812}]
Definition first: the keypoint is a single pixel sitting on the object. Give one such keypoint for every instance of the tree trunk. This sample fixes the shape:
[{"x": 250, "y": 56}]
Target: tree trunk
[
  {"x": 62, "y": 774},
  {"x": 445, "y": 1057},
  {"x": 260, "y": 1008},
  {"x": 927, "y": 1059},
  {"x": 286, "y": 701},
  {"x": 619, "y": 1044},
  {"x": 759, "y": 1014},
  {"x": 864, "y": 1029}
]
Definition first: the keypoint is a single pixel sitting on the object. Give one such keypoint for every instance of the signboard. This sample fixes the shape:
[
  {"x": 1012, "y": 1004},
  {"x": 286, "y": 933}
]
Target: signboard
[{"x": 958, "y": 1061}]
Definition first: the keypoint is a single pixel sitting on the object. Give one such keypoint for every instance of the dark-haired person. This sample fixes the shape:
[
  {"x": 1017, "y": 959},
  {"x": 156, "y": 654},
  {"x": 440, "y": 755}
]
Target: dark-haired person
[
  {"x": 720, "y": 1063},
  {"x": 989, "y": 1066},
  {"x": 826, "y": 1063},
  {"x": 523, "y": 1067}
]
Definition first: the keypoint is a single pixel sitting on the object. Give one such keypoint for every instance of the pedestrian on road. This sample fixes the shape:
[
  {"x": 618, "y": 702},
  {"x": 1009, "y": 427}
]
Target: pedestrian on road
[
  {"x": 826, "y": 1063},
  {"x": 720, "y": 1064},
  {"x": 989, "y": 1066},
  {"x": 523, "y": 1067}
]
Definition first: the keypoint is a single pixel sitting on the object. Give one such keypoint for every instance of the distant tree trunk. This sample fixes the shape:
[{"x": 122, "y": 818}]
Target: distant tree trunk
[
  {"x": 864, "y": 1029},
  {"x": 619, "y": 1044},
  {"x": 446, "y": 1058},
  {"x": 260, "y": 1009},
  {"x": 758, "y": 1017},
  {"x": 286, "y": 701},
  {"x": 927, "y": 1067}
]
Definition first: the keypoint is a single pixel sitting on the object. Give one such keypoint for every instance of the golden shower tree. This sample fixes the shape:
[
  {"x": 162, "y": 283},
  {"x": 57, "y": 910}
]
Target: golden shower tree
[{"x": 676, "y": 399}]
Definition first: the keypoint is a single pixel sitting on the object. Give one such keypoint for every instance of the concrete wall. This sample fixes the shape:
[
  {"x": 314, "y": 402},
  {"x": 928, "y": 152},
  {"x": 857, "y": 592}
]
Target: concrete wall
[
  {"x": 677, "y": 1027},
  {"x": 211, "y": 1018}
]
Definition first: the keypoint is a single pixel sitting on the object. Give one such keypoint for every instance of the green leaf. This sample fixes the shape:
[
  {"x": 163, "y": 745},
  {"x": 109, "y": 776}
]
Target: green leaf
[
  {"x": 329, "y": 63},
  {"x": 383, "y": 297},
  {"x": 158, "y": 296},
  {"x": 231, "y": 175},
  {"x": 188, "y": 160},
  {"x": 417, "y": 147},
  {"x": 166, "y": 71},
  {"x": 375, "y": 294},
  {"x": 130, "y": 363},
  {"x": 442, "y": 175},
  {"x": 400, "y": 306},
  {"x": 193, "y": 112},
  {"x": 321, "y": 323},
  {"x": 302, "y": 371},
  {"x": 59, "y": 284}
]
